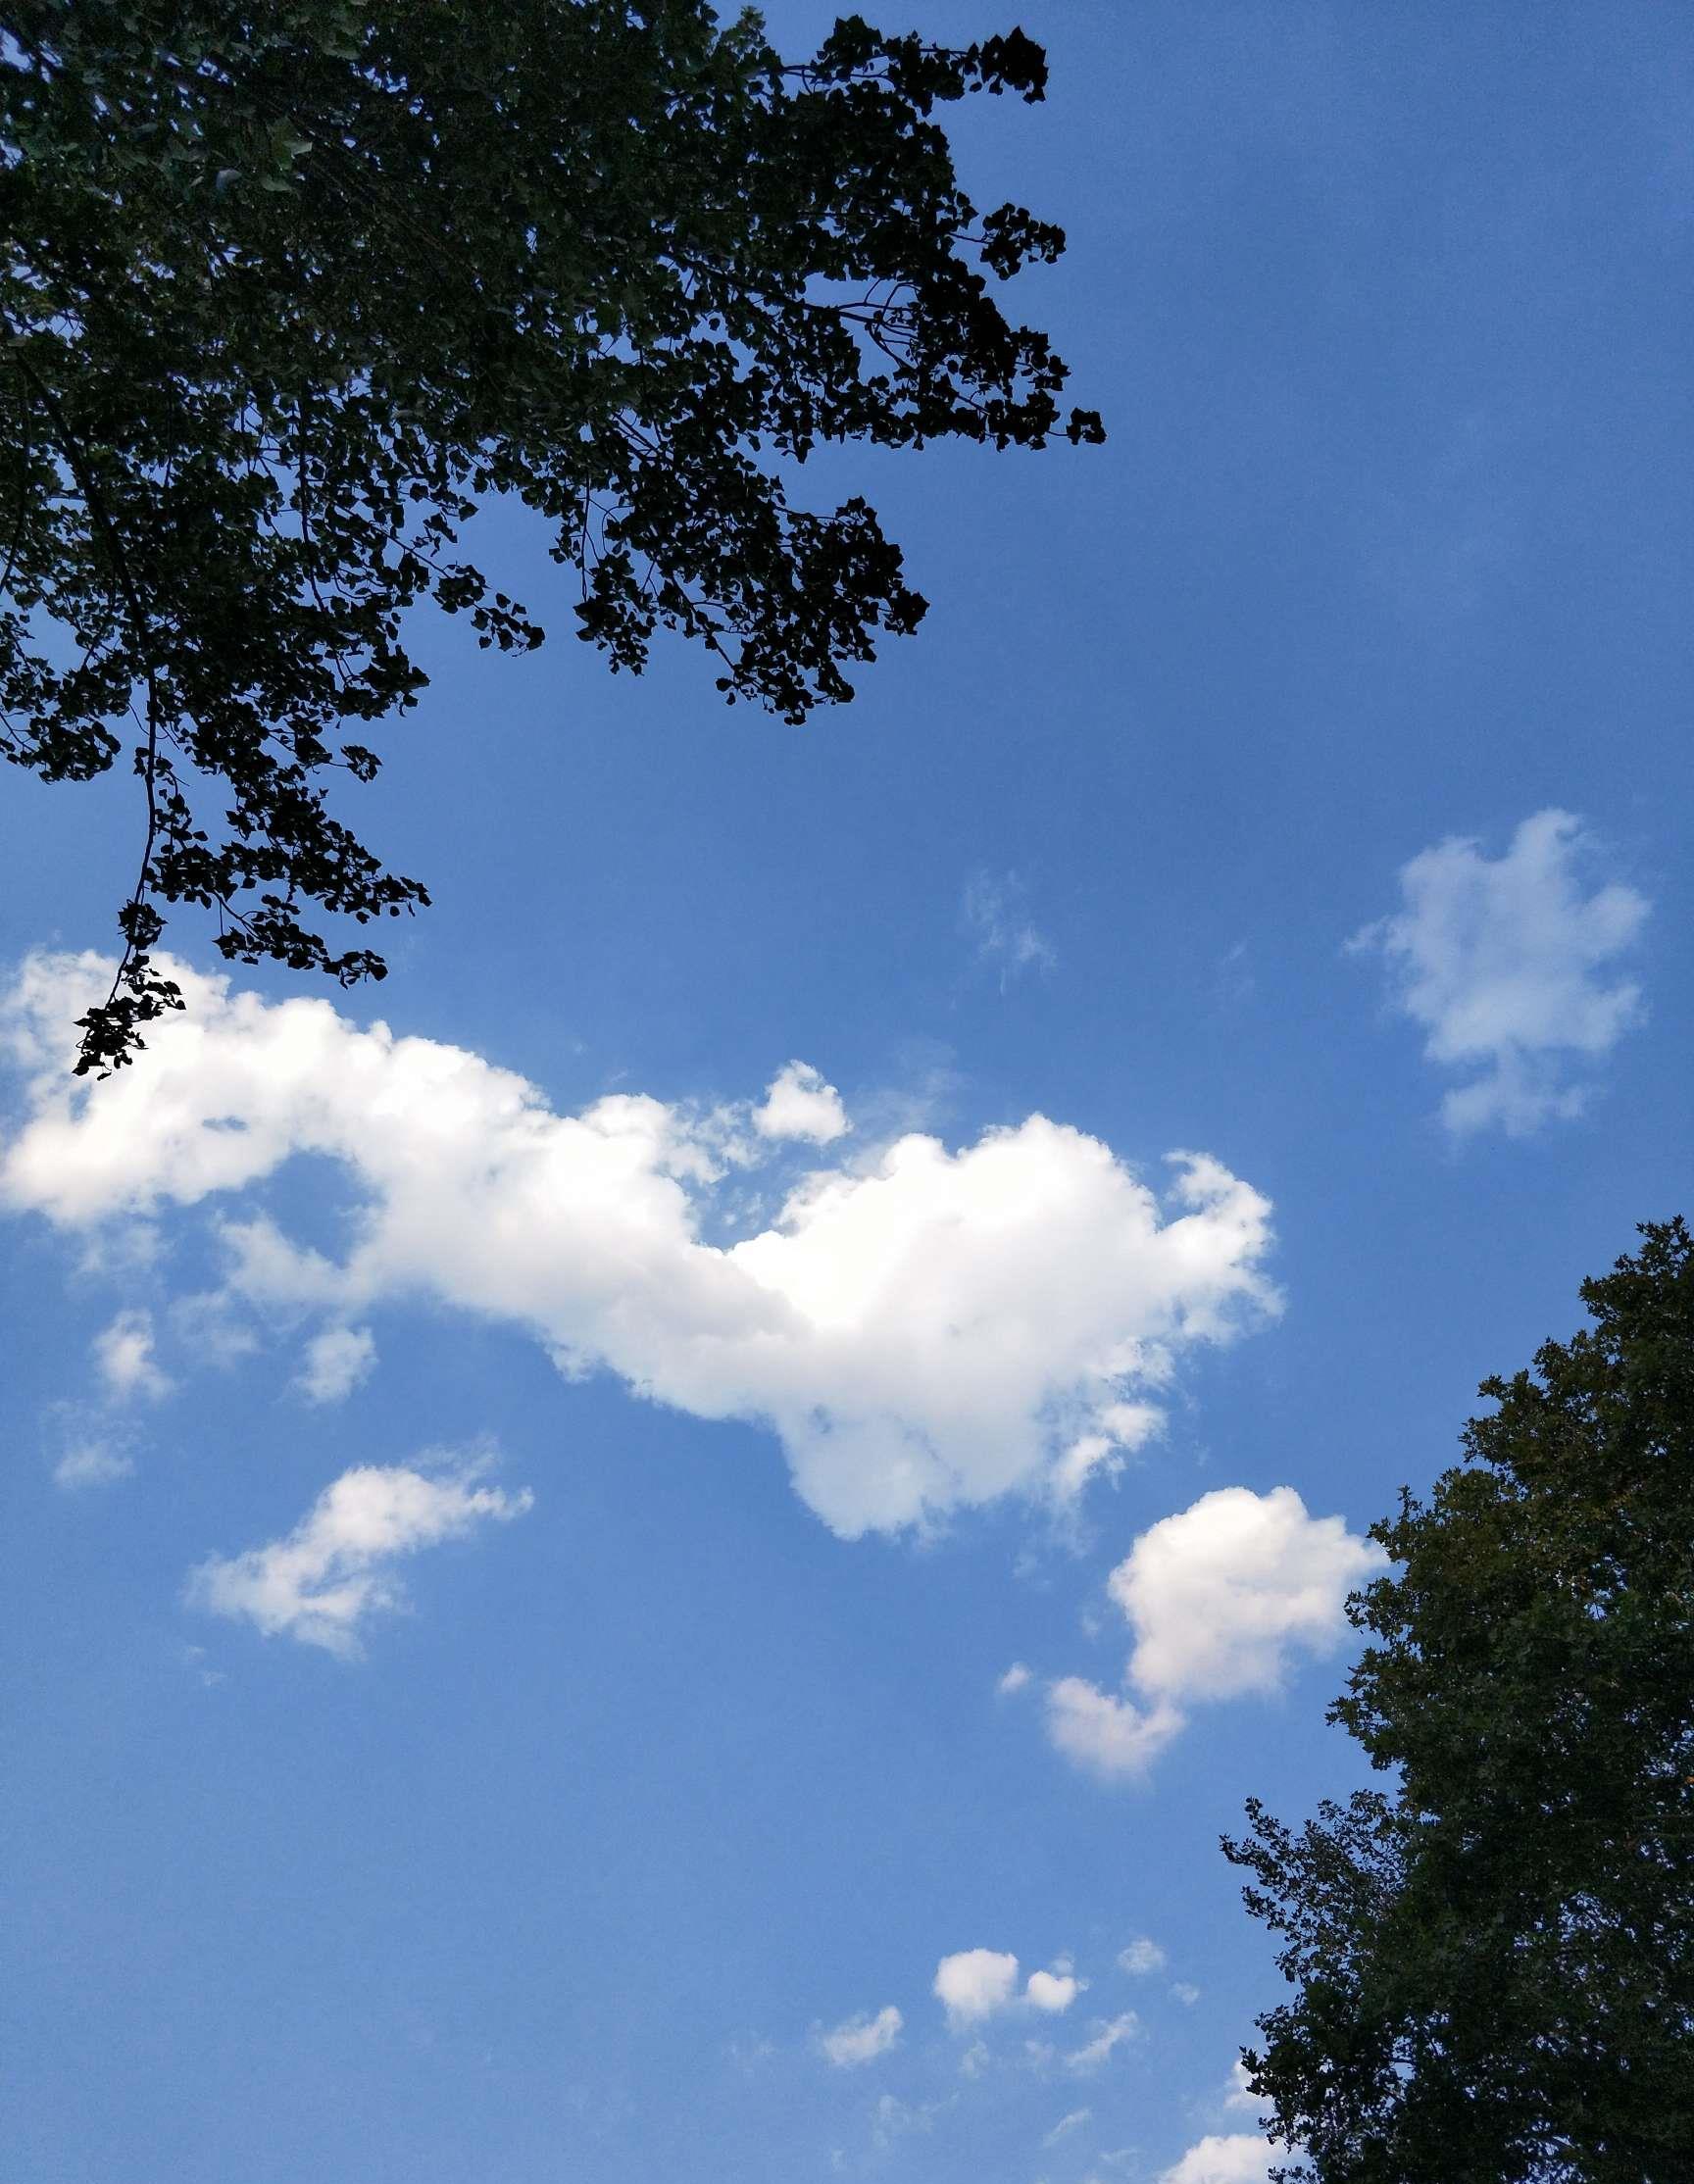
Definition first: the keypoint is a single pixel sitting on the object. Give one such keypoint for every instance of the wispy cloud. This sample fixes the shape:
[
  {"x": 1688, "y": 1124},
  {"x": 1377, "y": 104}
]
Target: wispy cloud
[
  {"x": 1066, "y": 2124},
  {"x": 91, "y": 1463},
  {"x": 995, "y": 913},
  {"x": 1110, "y": 2035},
  {"x": 324, "y": 1578},
  {"x": 862, "y": 2039},
  {"x": 1505, "y": 963},
  {"x": 335, "y": 1362}
]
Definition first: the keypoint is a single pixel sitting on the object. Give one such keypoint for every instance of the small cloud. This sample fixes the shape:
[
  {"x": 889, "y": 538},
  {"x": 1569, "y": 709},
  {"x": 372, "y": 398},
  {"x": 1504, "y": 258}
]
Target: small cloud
[
  {"x": 894, "y": 2119},
  {"x": 1015, "y": 1679},
  {"x": 194, "y": 1659},
  {"x": 1053, "y": 1990},
  {"x": 1504, "y": 963},
  {"x": 124, "y": 1355},
  {"x": 322, "y": 1580},
  {"x": 1237, "y": 2160},
  {"x": 1186, "y": 1995},
  {"x": 335, "y": 1362},
  {"x": 992, "y": 911},
  {"x": 1218, "y": 1596},
  {"x": 1109, "y": 1736},
  {"x": 862, "y": 2039},
  {"x": 974, "y": 2061},
  {"x": 798, "y": 1104},
  {"x": 1140, "y": 1958},
  {"x": 1111, "y": 2034},
  {"x": 974, "y": 1983},
  {"x": 1240, "y": 2094},
  {"x": 1116, "y": 1428},
  {"x": 207, "y": 1325},
  {"x": 91, "y": 1463},
  {"x": 1235, "y": 981},
  {"x": 1066, "y": 2124}
]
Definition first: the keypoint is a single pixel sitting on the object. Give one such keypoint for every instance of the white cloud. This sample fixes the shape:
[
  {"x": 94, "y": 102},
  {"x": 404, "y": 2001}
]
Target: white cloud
[
  {"x": 1053, "y": 1990},
  {"x": 1066, "y": 2124},
  {"x": 124, "y": 1355},
  {"x": 1119, "y": 1428},
  {"x": 1236, "y": 2159},
  {"x": 862, "y": 2039},
  {"x": 1140, "y": 1958},
  {"x": 923, "y": 1329},
  {"x": 1109, "y": 1735},
  {"x": 1186, "y": 1994},
  {"x": 978, "y": 1983},
  {"x": 1503, "y": 963},
  {"x": 91, "y": 1463},
  {"x": 320, "y": 1582},
  {"x": 974, "y": 1983},
  {"x": 1111, "y": 2033},
  {"x": 335, "y": 1362},
  {"x": 992, "y": 913},
  {"x": 799, "y": 1104},
  {"x": 1240, "y": 2094},
  {"x": 894, "y": 2119},
  {"x": 1015, "y": 1679},
  {"x": 1217, "y": 1597}
]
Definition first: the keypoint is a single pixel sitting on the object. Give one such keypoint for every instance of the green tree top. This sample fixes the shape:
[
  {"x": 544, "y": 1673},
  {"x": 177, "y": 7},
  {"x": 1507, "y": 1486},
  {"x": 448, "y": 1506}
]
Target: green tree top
[
  {"x": 288, "y": 289},
  {"x": 1495, "y": 1966}
]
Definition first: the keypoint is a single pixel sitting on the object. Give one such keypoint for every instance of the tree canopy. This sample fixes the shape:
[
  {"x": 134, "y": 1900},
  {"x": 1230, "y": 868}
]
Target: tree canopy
[
  {"x": 289, "y": 289},
  {"x": 1495, "y": 1965}
]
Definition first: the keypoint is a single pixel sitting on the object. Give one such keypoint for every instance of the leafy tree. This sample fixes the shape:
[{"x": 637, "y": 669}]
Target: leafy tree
[
  {"x": 1496, "y": 1965},
  {"x": 289, "y": 287}
]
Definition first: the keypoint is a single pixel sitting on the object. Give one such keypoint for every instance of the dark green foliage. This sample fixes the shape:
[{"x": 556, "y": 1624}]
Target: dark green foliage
[
  {"x": 1496, "y": 1966},
  {"x": 288, "y": 289}
]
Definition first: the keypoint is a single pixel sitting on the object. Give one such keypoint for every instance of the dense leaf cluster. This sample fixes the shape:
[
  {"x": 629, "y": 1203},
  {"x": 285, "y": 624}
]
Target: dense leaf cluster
[
  {"x": 1496, "y": 1966},
  {"x": 289, "y": 288}
]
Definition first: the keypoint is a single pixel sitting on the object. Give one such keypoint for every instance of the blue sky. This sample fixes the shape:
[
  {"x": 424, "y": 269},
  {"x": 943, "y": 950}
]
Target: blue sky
[{"x": 509, "y": 1593}]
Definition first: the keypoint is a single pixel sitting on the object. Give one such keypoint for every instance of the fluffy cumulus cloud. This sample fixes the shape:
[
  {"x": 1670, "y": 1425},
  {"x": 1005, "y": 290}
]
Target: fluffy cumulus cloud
[
  {"x": 1105, "y": 1733},
  {"x": 979, "y": 1983},
  {"x": 923, "y": 1328},
  {"x": 320, "y": 1581},
  {"x": 1237, "y": 2159},
  {"x": 800, "y": 1105},
  {"x": 862, "y": 2039},
  {"x": 124, "y": 1358},
  {"x": 1506, "y": 962},
  {"x": 974, "y": 1984},
  {"x": 1219, "y": 1597},
  {"x": 1053, "y": 1990}
]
